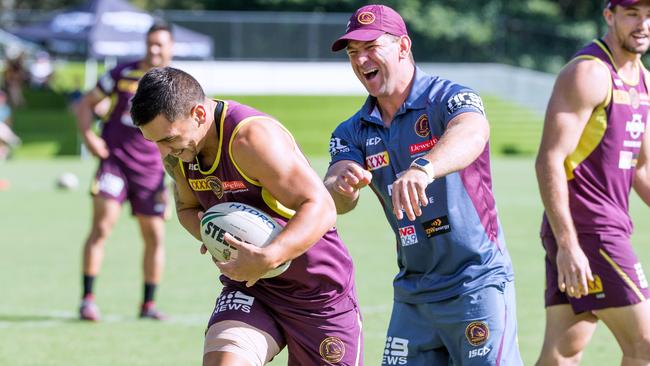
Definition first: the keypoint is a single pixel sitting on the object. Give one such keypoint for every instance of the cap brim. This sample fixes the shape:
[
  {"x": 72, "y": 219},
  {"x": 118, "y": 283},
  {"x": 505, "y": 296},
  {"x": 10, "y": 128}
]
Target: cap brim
[{"x": 363, "y": 35}]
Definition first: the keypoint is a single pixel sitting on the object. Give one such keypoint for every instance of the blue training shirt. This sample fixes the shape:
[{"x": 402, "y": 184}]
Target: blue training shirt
[{"x": 457, "y": 244}]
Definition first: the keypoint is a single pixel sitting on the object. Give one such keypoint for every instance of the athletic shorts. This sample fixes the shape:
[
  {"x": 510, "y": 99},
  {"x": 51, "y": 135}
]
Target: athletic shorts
[
  {"x": 328, "y": 336},
  {"x": 145, "y": 190},
  {"x": 478, "y": 328},
  {"x": 618, "y": 276}
]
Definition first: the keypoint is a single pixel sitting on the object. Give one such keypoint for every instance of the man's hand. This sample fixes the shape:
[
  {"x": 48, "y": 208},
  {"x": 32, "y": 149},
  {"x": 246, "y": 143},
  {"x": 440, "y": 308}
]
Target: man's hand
[
  {"x": 249, "y": 265},
  {"x": 573, "y": 271},
  {"x": 409, "y": 193},
  {"x": 351, "y": 180},
  {"x": 96, "y": 145}
]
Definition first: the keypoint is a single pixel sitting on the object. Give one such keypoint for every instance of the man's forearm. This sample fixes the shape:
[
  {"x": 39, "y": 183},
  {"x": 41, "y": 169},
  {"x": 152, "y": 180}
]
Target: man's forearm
[
  {"x": 189, "y": 219},
  {"x": 344, "y": 204},
  {"x": 555, "y": 197}
]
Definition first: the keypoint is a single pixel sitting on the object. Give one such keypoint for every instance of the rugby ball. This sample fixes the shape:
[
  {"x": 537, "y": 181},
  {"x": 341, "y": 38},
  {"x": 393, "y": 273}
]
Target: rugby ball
[
  {"x": 67, "y": 181},
  {"x": 245, "y": 223}
]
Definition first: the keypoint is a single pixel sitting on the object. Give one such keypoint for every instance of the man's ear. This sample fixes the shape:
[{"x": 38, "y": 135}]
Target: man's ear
[
  {"x": 404, "y": 46},
  {"x": 198, "y": 113},
  {"x": 608, "y": 15}
]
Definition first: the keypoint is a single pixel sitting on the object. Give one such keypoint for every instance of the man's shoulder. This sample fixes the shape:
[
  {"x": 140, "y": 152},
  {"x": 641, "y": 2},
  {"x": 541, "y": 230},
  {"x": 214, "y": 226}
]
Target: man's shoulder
[{"x": 125, "y": 69}]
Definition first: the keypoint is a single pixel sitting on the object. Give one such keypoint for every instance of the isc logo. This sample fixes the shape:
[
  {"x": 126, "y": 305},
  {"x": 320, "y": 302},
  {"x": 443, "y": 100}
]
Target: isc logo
[
  {"x": 396, "y": 351},
  {"x": 479, "y": 352}
]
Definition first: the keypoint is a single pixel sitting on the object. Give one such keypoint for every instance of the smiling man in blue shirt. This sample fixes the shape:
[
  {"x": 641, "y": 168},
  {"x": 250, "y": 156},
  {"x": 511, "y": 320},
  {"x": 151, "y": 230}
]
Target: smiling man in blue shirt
[{"x": 421, "y": 143}]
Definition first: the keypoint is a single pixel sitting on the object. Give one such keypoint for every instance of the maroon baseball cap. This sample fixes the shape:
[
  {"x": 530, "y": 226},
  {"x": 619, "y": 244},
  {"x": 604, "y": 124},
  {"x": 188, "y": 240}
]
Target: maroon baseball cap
[
  {"x": 623, "y": 3},
  {"x": 369, "y": 23}
]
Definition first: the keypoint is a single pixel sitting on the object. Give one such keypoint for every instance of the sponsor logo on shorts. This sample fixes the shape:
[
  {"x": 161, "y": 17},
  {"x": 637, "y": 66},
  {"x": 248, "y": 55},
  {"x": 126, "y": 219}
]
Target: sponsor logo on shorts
[
  {"x": 337, "y": 146},
  {"x": 377, "y": 161},
  {"x": 439, "y": 225},
  {"x": 595, "y": 286},
  {"x": 422, "y": 126},
  {"x": 465, "y": 100},
  {"x": 396, "y": 351},
  {"x": 423, "y": 146},
  {"x": 217, "y": 186},
  {"x": 479, "y": 352},
  {"x": 407, "y": 235},
  {"x": 643, "y": 282},
  {"x": 332, "y": 349},
  {"x": 477, "y": 333},
  {"x": 236, "y": 301},
  {"x": 160, "y": 201},
  {"x": 111, "y": 184},
  {"x": 372, "y": 141}
]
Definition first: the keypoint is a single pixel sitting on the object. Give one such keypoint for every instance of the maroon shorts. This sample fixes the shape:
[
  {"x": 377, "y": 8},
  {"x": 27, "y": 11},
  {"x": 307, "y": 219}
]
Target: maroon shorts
[
  {"x": 144, "y": 189},
  {"x": 327, "y": 336},
  {"x": 618, "y": 276}
]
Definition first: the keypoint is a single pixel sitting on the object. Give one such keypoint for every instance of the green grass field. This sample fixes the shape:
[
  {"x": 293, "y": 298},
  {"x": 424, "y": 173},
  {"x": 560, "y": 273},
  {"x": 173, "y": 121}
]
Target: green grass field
[{"x": 42, "y": 230}]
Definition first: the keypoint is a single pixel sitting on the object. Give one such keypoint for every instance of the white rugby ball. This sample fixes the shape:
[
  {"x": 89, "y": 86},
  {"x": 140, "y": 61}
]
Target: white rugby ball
[
  {"x": 67, "y": 181},
  {"x": 245, "y": 223}
]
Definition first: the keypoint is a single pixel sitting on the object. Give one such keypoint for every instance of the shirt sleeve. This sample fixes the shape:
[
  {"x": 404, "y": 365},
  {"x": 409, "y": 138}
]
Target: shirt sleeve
[
  {"x": 344, "y": 146},
  {"x": 458, "y": 100}
]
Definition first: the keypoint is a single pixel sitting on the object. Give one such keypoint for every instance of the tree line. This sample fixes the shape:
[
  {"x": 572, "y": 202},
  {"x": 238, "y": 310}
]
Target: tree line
[{"x": 539, "y": 34}]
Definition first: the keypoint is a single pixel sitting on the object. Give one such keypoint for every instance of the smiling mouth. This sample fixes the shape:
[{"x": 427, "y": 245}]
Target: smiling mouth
[{"x": 370, "y": 74}]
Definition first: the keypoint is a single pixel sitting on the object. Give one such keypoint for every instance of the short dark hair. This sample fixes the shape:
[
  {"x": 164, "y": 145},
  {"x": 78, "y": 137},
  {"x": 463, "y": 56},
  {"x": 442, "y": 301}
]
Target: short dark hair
[
  {"x": 167, "y": 91},
  {"x": 160, "y": 25}
]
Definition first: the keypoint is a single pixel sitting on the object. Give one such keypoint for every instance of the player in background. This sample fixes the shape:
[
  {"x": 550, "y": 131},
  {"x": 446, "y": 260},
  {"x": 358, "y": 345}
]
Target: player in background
[
  {"x": 595, "y": 148},
  {"x": 129, "y": 169},
  {"x": 421, "y": 143},
  {"x": 223, "y": 151}
]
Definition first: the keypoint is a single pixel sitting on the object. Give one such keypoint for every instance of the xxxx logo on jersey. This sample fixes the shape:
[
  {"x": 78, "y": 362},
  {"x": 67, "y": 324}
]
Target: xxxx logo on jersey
[
  {"x": 216, "y": 185},
  {"x": 377, "y": 161}
]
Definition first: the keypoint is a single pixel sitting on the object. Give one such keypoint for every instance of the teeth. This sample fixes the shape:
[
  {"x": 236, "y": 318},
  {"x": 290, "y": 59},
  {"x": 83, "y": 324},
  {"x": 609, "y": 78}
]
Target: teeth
[{"x": 369, "y": 71}]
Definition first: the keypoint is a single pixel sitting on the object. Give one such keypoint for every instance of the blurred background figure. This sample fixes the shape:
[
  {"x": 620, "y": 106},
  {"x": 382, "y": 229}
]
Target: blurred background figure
[
  {"x": 130, "y": 169},
  {"x": 8, "y": 139},
  {"x": 40, "y": 71},
  {"x": 14, "y": 78}
]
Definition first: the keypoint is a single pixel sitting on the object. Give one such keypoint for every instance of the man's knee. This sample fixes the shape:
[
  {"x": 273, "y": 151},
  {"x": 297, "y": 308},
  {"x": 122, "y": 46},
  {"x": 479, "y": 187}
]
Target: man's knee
[
  {"x": 638, "y": 349},
  {"x": 100, "y": 231}
]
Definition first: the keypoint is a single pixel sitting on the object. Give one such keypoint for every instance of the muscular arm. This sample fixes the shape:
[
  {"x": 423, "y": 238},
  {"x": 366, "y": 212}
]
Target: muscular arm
[
  {"x": 579, "y": 89},
  {"x": 266, "y": 152},
  {"x": 187, "y": 206},
  {"x": 573, "y": 100},
  {"x": 642, "y": 177},
  {"x": 344, "y": 180},
  {"x": 461, "y": 143}
]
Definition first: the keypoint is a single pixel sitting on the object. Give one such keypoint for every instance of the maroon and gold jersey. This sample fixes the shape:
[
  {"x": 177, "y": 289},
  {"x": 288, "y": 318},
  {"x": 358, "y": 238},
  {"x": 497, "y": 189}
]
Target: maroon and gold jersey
[
  {"x": 601, "y": 169},
  {"x": 318, "y": 277},
  {"x": 123, "y": 138}
]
